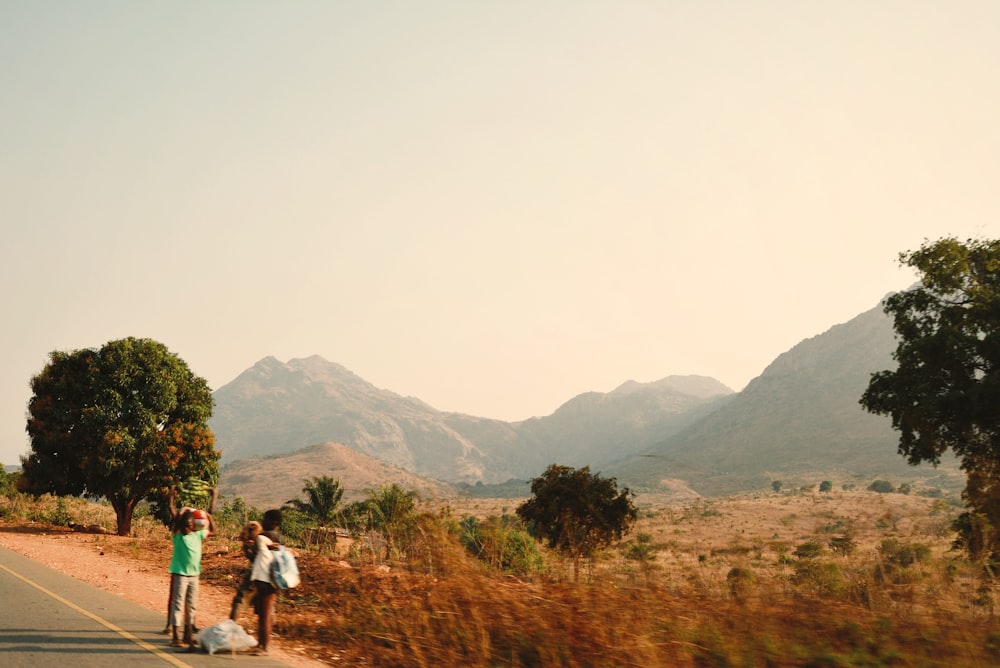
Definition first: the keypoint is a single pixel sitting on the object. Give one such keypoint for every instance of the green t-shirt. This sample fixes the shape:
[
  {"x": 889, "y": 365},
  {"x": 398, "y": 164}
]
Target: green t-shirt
[{"x": 186, "y": 559}]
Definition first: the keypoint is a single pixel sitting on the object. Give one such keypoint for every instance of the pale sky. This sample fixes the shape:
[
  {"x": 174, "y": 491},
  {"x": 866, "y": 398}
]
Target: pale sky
[{"x": 492, "y": 206}]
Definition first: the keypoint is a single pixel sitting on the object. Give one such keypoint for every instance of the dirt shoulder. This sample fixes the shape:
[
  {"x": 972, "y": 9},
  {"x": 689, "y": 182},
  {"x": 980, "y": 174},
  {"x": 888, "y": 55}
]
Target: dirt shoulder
[{"x": 138, "y": 572}]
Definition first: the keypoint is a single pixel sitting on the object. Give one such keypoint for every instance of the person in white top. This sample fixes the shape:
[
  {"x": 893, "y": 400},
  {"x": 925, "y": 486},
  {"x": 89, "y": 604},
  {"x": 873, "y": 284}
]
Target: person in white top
[{"x": 265, "y": 593}]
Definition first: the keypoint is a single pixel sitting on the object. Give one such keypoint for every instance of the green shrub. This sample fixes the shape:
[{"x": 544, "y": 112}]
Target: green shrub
[
  {"x": 882, "y": 487},
  {"x": 809, "y": 550},
  {"x": 898, "y": 553},
  {"x": 501, "y": 542},
  {"x": 843, "y": 545},
  {"x": 59, "y": 516},
  {"x": 8, "y": 482},
  {"x": 820, "y": 577}
]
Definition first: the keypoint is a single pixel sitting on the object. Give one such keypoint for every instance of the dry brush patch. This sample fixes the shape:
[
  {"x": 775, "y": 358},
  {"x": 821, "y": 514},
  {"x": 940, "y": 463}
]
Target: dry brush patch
[{"x": 749, "y": 581}]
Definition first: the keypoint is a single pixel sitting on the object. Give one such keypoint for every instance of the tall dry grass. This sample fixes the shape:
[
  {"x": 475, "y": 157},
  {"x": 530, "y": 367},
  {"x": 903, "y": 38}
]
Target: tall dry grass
[
  {"x": 739, "y": 582},
  {"x": 801, "y": 579}
]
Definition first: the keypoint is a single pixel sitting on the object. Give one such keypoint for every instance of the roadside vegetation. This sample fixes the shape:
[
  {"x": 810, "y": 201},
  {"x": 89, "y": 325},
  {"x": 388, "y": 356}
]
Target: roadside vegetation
[{"x": 842, "y": 577}]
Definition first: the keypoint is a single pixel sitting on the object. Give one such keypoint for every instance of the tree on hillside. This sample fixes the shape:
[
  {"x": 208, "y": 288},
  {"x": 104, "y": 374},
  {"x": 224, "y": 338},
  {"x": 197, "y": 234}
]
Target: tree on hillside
[
  {"x": 323, "y": 498},
  {"x": 123, "y": 422},
  {"x": 577, "y": 511},
  {"x": 945, "y": 391}
]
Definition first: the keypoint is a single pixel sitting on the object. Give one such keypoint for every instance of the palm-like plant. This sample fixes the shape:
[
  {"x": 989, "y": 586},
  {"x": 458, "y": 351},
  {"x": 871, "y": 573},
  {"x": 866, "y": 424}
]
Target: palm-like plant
[
  {"x": 391, "y": 510},
  {"x": 324, "y": 495}
]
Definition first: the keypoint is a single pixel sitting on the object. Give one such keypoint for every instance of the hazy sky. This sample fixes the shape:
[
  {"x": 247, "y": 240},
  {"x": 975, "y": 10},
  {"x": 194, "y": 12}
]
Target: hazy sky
[{"x": 492, "y": 206}]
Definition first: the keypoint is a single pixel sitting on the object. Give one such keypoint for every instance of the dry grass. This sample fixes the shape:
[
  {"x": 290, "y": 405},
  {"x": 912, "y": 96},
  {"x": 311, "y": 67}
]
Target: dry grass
[{"x": 724, "y": 587}]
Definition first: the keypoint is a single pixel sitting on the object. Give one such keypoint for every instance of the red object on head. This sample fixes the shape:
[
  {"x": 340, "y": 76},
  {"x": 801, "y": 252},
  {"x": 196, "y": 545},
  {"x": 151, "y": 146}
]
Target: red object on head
[{"x": 199, "y": 514}]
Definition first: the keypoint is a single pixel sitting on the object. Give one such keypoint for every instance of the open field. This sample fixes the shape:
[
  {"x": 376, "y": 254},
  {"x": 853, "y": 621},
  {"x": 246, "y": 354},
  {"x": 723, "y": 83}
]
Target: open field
[{"x": 844, "y": 578}]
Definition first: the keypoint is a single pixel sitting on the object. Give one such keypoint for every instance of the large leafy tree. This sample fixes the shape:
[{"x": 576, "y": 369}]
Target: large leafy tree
[
  {"x": 123, "y": 422},
  {"x": 945, "y": 392},
  {"x": 577, "y": 511},
  {"x": 323, "y": 495}
]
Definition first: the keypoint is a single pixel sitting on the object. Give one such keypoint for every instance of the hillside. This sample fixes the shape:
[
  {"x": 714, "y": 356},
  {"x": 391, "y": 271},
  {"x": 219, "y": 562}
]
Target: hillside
[
  {"x": 799, "y": 421},
  {"x": 276, "y": 408},
  {"x": 799, "y": 418},
  {"x": 267, "y": 482}
]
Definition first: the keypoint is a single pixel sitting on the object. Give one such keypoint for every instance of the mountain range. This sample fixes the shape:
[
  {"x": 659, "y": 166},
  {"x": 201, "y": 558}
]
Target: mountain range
[{"x": 799, "y": 421}]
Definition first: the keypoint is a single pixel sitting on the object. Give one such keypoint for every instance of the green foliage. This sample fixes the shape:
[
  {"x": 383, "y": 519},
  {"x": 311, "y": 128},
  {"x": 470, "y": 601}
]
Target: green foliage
[
  {"x": 323, "y": 495},
  {"x": 882, "y": 487},
  {"x": 641, "y": 549},
  {"x": 976, "y": 535},
  {"x": 388, "y": 511},
  {"x": 501, "y": 542},
  {"x": 897, "y": 560},
  {"x": 512, "y": 489},
  {"x": 822, "y": 578},
  {"x": 577, "y": 511},
  {"x": 776, "y": 485},
  {"x": 825, "y": 486},
  {"x": 944, "y": 392},
  {"x": 294, "y": 524},
  {"x": 233, "y": 516},
  {"x": 892, "y": 550},
  {"x": 809, "y": 550},
  {"x": 123, "y": 422},
  {"x": 8, "y": 482},
  {"x": 843, "y": 545},
  {"x": 60, "y": 516}
]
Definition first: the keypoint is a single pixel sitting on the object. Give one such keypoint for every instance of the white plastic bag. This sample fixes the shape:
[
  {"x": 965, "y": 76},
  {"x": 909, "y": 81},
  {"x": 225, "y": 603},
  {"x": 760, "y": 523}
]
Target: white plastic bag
[
  {"x": 227, "y": 635},
  {"x": 284, "y": 569}
]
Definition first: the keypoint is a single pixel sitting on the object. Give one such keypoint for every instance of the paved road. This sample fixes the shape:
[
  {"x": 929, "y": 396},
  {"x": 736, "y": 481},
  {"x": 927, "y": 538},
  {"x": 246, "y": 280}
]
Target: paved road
[{"x": 49, "y": 619}]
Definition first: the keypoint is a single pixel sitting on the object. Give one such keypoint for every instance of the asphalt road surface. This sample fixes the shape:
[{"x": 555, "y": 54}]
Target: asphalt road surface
[{"x": 48, "y": 619}]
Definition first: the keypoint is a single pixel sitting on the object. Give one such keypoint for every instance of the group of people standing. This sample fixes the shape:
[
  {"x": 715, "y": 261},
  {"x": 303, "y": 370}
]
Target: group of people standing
[{"x": 188, "y": 533}]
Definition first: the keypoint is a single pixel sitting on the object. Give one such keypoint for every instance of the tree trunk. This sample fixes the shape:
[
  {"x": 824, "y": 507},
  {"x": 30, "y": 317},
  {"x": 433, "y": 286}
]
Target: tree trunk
[{"x": 123, "y": 513}]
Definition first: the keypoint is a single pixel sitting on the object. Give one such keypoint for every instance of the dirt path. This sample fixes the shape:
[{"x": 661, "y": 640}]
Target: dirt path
[{"x": 103, "y": 561}]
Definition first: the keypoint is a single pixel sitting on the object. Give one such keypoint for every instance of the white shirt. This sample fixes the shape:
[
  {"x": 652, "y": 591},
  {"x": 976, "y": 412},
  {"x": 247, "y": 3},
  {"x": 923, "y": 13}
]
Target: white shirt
[{"x": 261, "y": 571}]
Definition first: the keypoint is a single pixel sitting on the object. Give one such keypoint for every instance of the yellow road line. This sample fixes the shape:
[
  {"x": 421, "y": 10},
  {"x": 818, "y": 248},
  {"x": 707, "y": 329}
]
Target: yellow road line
[{"x": 169, "y": 658}]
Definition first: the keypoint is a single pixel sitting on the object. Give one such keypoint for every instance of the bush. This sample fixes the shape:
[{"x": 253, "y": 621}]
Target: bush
[
  {"x": 843, "y": 545},
  {"x": 822, "y": 578},
  {"x": 897, "y": 553},
  {"x": 501, "y": 542},
  {"x": 8, "y": 483},
  {"x": 882, "y": 487},
  {"x": 809, "y": 549},
  {"x": 740, "y": 581},
  {"x": 59, "y": 516}
]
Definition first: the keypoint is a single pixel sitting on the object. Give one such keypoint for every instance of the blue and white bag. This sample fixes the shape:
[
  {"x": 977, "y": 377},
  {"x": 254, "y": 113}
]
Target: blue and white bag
[{"x": 284, "y": 570}]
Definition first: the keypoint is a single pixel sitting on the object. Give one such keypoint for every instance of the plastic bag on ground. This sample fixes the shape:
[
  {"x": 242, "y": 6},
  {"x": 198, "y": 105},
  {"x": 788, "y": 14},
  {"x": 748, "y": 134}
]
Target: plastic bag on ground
[{"x": 227, "y": 635}]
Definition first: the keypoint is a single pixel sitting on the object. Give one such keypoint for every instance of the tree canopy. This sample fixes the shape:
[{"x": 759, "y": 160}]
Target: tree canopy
[
  {"x": 123, "y": 422},
  {"x": 576, "y": 511},
  {"x": 944, "y": 394}
]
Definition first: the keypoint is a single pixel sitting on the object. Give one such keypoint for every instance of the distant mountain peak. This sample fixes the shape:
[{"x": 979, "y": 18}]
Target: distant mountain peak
[{"x": 697, "y": 386}]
